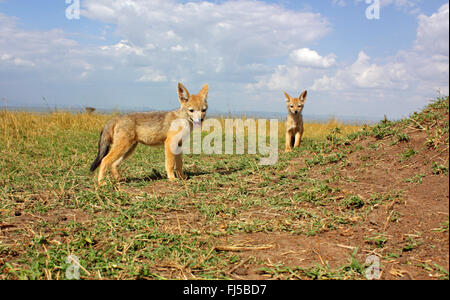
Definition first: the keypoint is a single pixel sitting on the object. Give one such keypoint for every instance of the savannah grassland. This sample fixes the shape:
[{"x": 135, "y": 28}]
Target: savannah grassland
[{"x": 349, "y": 192}]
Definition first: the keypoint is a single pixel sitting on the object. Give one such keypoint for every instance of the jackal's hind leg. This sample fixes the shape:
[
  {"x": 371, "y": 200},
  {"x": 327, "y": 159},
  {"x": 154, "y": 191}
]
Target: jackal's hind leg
[
  {"x": 116, "y": 155},
  {"x": 115, "y": 165}
]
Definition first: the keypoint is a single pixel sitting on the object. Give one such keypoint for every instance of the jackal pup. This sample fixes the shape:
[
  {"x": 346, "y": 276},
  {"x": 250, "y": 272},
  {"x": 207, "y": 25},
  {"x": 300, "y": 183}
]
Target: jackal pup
[
  {"x": 294, "y": 122},
  {"x": 121, "y": 134}
]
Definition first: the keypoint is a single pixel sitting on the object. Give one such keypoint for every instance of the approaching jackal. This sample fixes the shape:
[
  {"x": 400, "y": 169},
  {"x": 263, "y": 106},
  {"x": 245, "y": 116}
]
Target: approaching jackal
[
  {"x": 122, "y": 134},
  {"x": 294, "y": 122}
]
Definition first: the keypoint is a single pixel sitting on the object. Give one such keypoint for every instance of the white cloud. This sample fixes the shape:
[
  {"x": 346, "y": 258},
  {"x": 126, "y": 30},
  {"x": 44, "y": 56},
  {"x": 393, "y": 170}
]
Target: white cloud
[
  {"x": 196, "y": 39},
  {"x": 178, "y": 48},
  {"x": 165, "y": 41},
  {"x": 422, "y": 69},
  {"x": 404, "y": 81},
  {"x": 242, "y": 23},
  {"x": 283, "y": 78},
  {"x": 151, "y": 75},
  {"x": 310, "y": 58},
  {"x": 302, "y": 67},
  {"x": 22, "y": 48},
  {"x": 363, "y": 74},
  {"x": 123, "y": 48},
  {"x": 16, "y": 61},
  {"x": 433, "y": 33}
]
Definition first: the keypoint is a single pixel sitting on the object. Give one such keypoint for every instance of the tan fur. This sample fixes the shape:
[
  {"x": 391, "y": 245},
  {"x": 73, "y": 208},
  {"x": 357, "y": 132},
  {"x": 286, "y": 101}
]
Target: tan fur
[
  {"x": 123, "y": 133},
  {"x": 294, "y": 122}
]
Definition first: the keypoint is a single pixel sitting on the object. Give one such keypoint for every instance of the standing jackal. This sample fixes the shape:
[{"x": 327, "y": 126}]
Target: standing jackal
[
  {"x": 294, "y": 122},
  {"x": 122, "y": 134}
]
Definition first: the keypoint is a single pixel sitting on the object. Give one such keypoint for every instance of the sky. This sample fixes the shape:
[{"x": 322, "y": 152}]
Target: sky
[{"x": 130, "y": 54}]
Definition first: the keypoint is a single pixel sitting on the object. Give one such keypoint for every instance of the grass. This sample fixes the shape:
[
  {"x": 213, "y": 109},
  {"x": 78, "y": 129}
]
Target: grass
[
  {"x": 351, "y": 270},
  {"x": 417, "y": 179},
  {"x": 148, "y": 228},
  {"x": 407, "y": 154},
  {"x": 128, "y": 230}
]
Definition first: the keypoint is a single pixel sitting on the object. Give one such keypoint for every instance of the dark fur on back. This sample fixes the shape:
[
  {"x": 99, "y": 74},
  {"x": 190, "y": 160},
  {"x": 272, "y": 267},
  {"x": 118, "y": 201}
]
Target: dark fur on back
[{"x": 103, "y": 150}]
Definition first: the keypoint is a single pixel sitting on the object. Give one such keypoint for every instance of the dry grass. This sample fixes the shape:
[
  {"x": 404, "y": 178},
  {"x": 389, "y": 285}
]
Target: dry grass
[
  {"x": 321, "y": 130},
  {"x": 31, "y": 125},
  {"x": 26, "y": 125}
]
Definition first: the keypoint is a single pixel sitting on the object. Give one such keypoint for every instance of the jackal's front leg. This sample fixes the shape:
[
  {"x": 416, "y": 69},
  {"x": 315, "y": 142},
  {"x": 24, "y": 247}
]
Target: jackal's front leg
[
  {"x": 288, "y": 141},
  {"x": 170, "y": 162},
  {"x": 179, "y": 166},
  {"x": 298, "y": 139}
]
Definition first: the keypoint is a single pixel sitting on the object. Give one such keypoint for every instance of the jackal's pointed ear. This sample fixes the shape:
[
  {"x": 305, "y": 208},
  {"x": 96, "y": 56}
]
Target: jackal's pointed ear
[
  {"x": 288, "y": 98},
  {"x": 303, "y": 96},
  {"x": 204, "y": 92},
  {"x": 183, "y": 94}
]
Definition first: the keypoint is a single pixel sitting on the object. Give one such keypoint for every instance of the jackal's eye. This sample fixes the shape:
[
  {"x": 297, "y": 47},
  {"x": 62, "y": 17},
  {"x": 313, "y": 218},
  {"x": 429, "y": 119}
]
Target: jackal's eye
[
  {"x": 292, "y": 106},
  {"x": 204, "y": 110},
  {"x": 191, "y": 110}
]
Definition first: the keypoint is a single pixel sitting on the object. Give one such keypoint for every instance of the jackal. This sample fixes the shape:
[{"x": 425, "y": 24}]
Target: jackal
[
  {"x": 122, "y": 134},
  {"x": 294, "y": 122}
]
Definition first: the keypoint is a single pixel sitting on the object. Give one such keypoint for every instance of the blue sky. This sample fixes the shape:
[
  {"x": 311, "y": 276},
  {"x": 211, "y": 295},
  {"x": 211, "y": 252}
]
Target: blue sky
[{"x": 129, "y": 54}]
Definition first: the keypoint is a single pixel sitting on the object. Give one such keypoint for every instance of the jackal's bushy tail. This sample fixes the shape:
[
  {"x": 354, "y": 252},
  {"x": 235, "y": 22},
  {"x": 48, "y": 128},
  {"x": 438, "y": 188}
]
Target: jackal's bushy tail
[{"x": 103, "y": 148}]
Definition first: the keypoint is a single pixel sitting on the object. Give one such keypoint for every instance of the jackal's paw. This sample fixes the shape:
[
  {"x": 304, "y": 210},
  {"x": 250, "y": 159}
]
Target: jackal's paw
[{"x": 101, "y": 183}]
